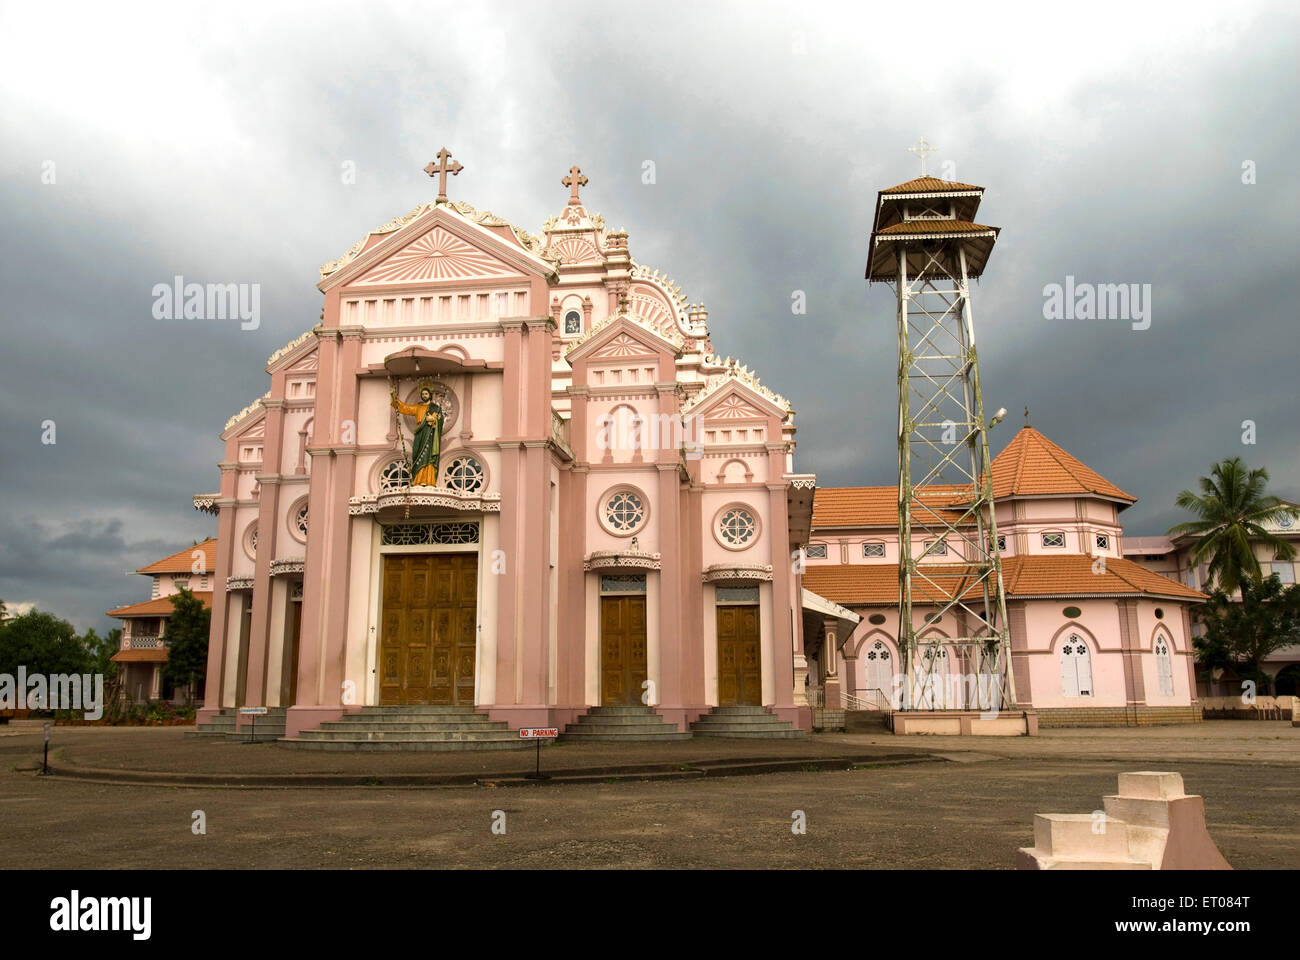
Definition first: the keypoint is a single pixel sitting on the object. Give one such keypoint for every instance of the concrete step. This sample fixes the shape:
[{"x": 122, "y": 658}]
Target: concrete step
[
  {"x": 382, "y": 725},
  {"x": 620, "y": 719},
  {"x": 341, "y": 745},
  {"x": 790, "y": 734},
  {"x": 668, "y": 735},
  {"x": 745, "y": 710},
  {"x": 736, "y": 726},
  {"x": 744, "y": 723},
  {"x": 414, "y": 709},
  {"x": 626, "y": 710},
  {"x": 625, "y": 723},
  {"x": 469, "y": 736}
]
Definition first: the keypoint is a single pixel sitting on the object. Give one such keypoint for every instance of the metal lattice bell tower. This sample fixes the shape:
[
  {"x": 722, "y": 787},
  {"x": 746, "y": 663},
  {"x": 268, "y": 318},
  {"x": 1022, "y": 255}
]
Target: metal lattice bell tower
[{"x": 926, "y": 243}]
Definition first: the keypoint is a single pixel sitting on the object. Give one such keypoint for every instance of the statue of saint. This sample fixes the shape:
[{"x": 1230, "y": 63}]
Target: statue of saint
[{"x": 425, "y": 447}]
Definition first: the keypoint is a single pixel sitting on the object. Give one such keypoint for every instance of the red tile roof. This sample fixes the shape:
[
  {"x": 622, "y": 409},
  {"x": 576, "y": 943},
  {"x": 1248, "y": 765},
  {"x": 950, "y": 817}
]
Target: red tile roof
[
  {"x": 182, "y": 561},
  {"x": 156, "y": 655},
  {"x": 874, "y": 506},
  {"x": 876, "y": 584},
  {"x": 936, "y": 226},
  {"x": 929, "y": 184},
  {"x": 160, "y": 607},
  {"x": 1032, "y": 465}
]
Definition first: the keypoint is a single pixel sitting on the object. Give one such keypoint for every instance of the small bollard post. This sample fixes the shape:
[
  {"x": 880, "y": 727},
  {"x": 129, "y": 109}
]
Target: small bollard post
[{"x": 45, "y": 761}]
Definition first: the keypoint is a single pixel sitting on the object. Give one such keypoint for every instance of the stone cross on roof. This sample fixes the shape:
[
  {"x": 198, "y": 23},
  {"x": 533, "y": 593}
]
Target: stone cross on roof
[
  {"x": 573, "y": 181},
  {"x": 440, "y": 170},
  {"x": 922, "y": 150}
]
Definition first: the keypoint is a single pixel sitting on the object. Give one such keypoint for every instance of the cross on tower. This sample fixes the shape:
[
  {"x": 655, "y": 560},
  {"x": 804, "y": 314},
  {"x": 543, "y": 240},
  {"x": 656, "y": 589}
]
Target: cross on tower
[
  {"x": 573, "y": 181},
  {"x": 922, "y": 150},
  {"x": 440, "y": 170}
]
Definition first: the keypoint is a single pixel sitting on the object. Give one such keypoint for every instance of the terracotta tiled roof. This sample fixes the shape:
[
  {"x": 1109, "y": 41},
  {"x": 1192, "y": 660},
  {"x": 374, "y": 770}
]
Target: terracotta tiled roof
[
  {"x": 1033, "y": 465},
  {"x": 936, "y": 226},
  {"x": 871, "y": 506},
  {"x": 156, "y": 655},
  {"x": 161, "y": 607},
  {"x": 1027, "y": 576},
  {"x": 924, "y": 184},
  {"x": 182, "y": 561}
]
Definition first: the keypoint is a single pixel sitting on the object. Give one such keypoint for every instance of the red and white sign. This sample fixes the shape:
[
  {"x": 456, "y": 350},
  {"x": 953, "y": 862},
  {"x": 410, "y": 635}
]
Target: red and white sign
[{"x": 538, "y": 733}]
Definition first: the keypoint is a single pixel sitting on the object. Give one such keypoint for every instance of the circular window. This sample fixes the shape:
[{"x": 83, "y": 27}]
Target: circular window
[
  {"x": 737, "y": 527},
  {"x": 250, "y": 540},
  {"x": 1160, "y": 614},
  {"x": 624, "y": 512},
  {"x": 395, "y": 476},
  {"x": 298, "y": 520},
  {"x": 465, "y": 475},
  {"x": 1071, "y": 612},
  {"x": 876, "y": 618}
]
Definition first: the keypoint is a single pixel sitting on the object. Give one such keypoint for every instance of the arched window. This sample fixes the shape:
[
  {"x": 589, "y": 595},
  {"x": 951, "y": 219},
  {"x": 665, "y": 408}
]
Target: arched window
[
  {"x": 932, "y": 679},
  {"x": 395, "y": 476},
  {"x": 1076, "y": 667},
  {"x": 1164, "y": 668},
  {"x": 464, "y": 475}
]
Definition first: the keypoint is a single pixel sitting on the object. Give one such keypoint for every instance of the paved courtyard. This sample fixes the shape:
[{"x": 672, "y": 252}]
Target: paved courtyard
[{"x": 895, "y": 802}]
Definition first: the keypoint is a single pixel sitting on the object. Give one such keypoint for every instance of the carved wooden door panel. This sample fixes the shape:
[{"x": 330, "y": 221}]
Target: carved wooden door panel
[
  {"x": 622, "y": 650},
  {"x": 427, "y": 649},
  {"x": 740, "y": 678}
]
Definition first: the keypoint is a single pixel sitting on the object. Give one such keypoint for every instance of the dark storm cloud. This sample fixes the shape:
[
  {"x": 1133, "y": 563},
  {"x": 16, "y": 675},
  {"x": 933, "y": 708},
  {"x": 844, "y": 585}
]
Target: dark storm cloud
[{"x": 1112, "y": 155}]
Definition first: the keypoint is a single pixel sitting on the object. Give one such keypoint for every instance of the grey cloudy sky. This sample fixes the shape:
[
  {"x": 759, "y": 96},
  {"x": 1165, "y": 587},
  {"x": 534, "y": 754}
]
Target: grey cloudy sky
[{"x": 209, "y": 142}]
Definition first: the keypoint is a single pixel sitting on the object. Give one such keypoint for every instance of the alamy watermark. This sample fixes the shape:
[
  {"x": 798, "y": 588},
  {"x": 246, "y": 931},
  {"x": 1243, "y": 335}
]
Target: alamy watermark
[
  {"x": 208, "y": 301},
  {"x": 60, "y": 691},
  {"x": 1098, "y": 301}
]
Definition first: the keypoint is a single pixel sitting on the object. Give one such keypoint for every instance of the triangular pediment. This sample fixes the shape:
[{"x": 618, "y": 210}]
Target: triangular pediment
[
  {"x": 731, "y": 398},
  {"x": 621, "y": 337},
  {"x": 433, "y": 246},
  {"x": 733, "y": 406},
  {"x": 436, "y": 255}
]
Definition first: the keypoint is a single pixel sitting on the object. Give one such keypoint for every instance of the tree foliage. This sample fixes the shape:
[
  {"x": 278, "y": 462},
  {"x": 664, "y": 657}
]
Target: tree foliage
[
  {"x": 1239, "y": 635},
  {"x": 187, "y": 641},
  {"x": 42, "y": 643},
  {"x": 1232, "y": 509}
]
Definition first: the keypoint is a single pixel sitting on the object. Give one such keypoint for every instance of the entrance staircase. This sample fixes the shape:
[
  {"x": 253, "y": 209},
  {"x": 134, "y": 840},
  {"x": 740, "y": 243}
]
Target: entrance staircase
[
  {"x": 270, "y": 726},
  {"x": 424, "y": 729},
  {"x": 623, "y": 724},
  {"x": 744, "y": 723}
]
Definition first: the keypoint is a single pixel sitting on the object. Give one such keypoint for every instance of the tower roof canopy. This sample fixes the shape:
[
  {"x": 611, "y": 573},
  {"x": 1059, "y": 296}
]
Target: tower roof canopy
[{"x": 1031, "y": 465}]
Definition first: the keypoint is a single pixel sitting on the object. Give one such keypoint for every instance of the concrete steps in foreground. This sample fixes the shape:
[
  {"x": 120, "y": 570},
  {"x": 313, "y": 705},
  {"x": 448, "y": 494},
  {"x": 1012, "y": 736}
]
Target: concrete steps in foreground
[
  {"x": 744, "y": 723},
  {"x": 627, "y": 724},
  {"x": 429, "y": 729}
]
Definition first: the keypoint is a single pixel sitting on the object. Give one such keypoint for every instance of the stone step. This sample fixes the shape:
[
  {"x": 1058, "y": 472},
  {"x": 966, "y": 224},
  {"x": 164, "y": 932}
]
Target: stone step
[
  {"x": 617, "y": 719},
  {"x": 362, "y": 727},
  {"x": 391, "y": 710},
  {"x": 469, "y": 736},
  {"x": 355, "y": 745},
  {"x": 734, "y": 726},
  {"x": 667, "y": 735},
  {"x": 1081, "y": 835},
  {"x": 626, "y": 710},
  {"x": 772, "y": 734},
  {"x": 749, "y": 710}
]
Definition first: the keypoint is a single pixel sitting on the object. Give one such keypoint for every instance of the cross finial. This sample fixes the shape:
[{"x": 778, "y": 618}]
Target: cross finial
[
  {"x": 623, "y": 302},
  {"x": 922, "y": 150},
  {"x": 573, "y": 181},
  {"x": 1026, "y": 415},
  {"x": 440, "y": 170}
]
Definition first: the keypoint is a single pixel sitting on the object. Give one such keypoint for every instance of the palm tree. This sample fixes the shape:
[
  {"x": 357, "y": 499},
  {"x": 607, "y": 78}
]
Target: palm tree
[{"x": 1232, "y": 508}]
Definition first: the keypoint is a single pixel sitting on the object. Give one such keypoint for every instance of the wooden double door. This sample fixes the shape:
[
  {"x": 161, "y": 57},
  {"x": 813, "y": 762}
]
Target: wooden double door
[
  {"x": 740, "y": 675},
  {"x": 430, "y": 611},
  {"x": 622, "y": 650}
]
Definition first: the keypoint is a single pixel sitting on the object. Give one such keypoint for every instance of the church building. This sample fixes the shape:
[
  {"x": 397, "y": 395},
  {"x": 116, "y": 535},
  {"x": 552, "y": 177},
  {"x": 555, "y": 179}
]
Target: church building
[{"x": 507, "y": 473}]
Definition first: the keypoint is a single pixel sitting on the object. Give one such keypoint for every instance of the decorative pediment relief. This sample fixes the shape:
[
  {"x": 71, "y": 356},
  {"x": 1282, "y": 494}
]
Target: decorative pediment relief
[
  {"x": 735, "y": 407},
  {"x": 574, "y": 250},
  {"x": 437, "y": 255},
  {"x": 622, "y": 347}
]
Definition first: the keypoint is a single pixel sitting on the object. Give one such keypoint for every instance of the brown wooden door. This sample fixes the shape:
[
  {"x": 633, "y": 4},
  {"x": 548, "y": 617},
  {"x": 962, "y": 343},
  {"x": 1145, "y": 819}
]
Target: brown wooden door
[
  {"x": 289, "y": 674},
  {"x": 426, "y": 651},
  {"x": 740, "y": 678},
  {"x": 622, "y": 650}
]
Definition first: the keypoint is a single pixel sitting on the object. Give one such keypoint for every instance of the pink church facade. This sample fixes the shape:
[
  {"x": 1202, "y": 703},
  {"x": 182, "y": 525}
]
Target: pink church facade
[{"x": 616, "y": 508}]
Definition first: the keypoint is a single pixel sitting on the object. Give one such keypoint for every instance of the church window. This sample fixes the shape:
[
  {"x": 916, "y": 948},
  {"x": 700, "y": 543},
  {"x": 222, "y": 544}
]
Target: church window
[
  {"x": 1284, "y": 571},
  {"x": 1164, "y": 668},
  {"x": 465, "y": 475},
  {"x": 1076, "y": 668},
  {"x": 880, "y": 671},
  {"x": 252, "y": 538},
  {"x": 300, "y": 520},
  {"x": 873, "y": 549},
  {"x": 1053, "y": 538},
  {"x": 624, "y": 511},
  {"x": 624, "y": 583},
  {"x": 816, "y": 551},
  {"x": 435, "y": 533},
  {"x": 737, "y": 527},
  {"x": 727, "y": 595},
  {"x": 1103, "y": 541},
  {"x": 936, "y": 548},
  {"x": 572, "y": 323},
  {"x": 395, "y": 476}
]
